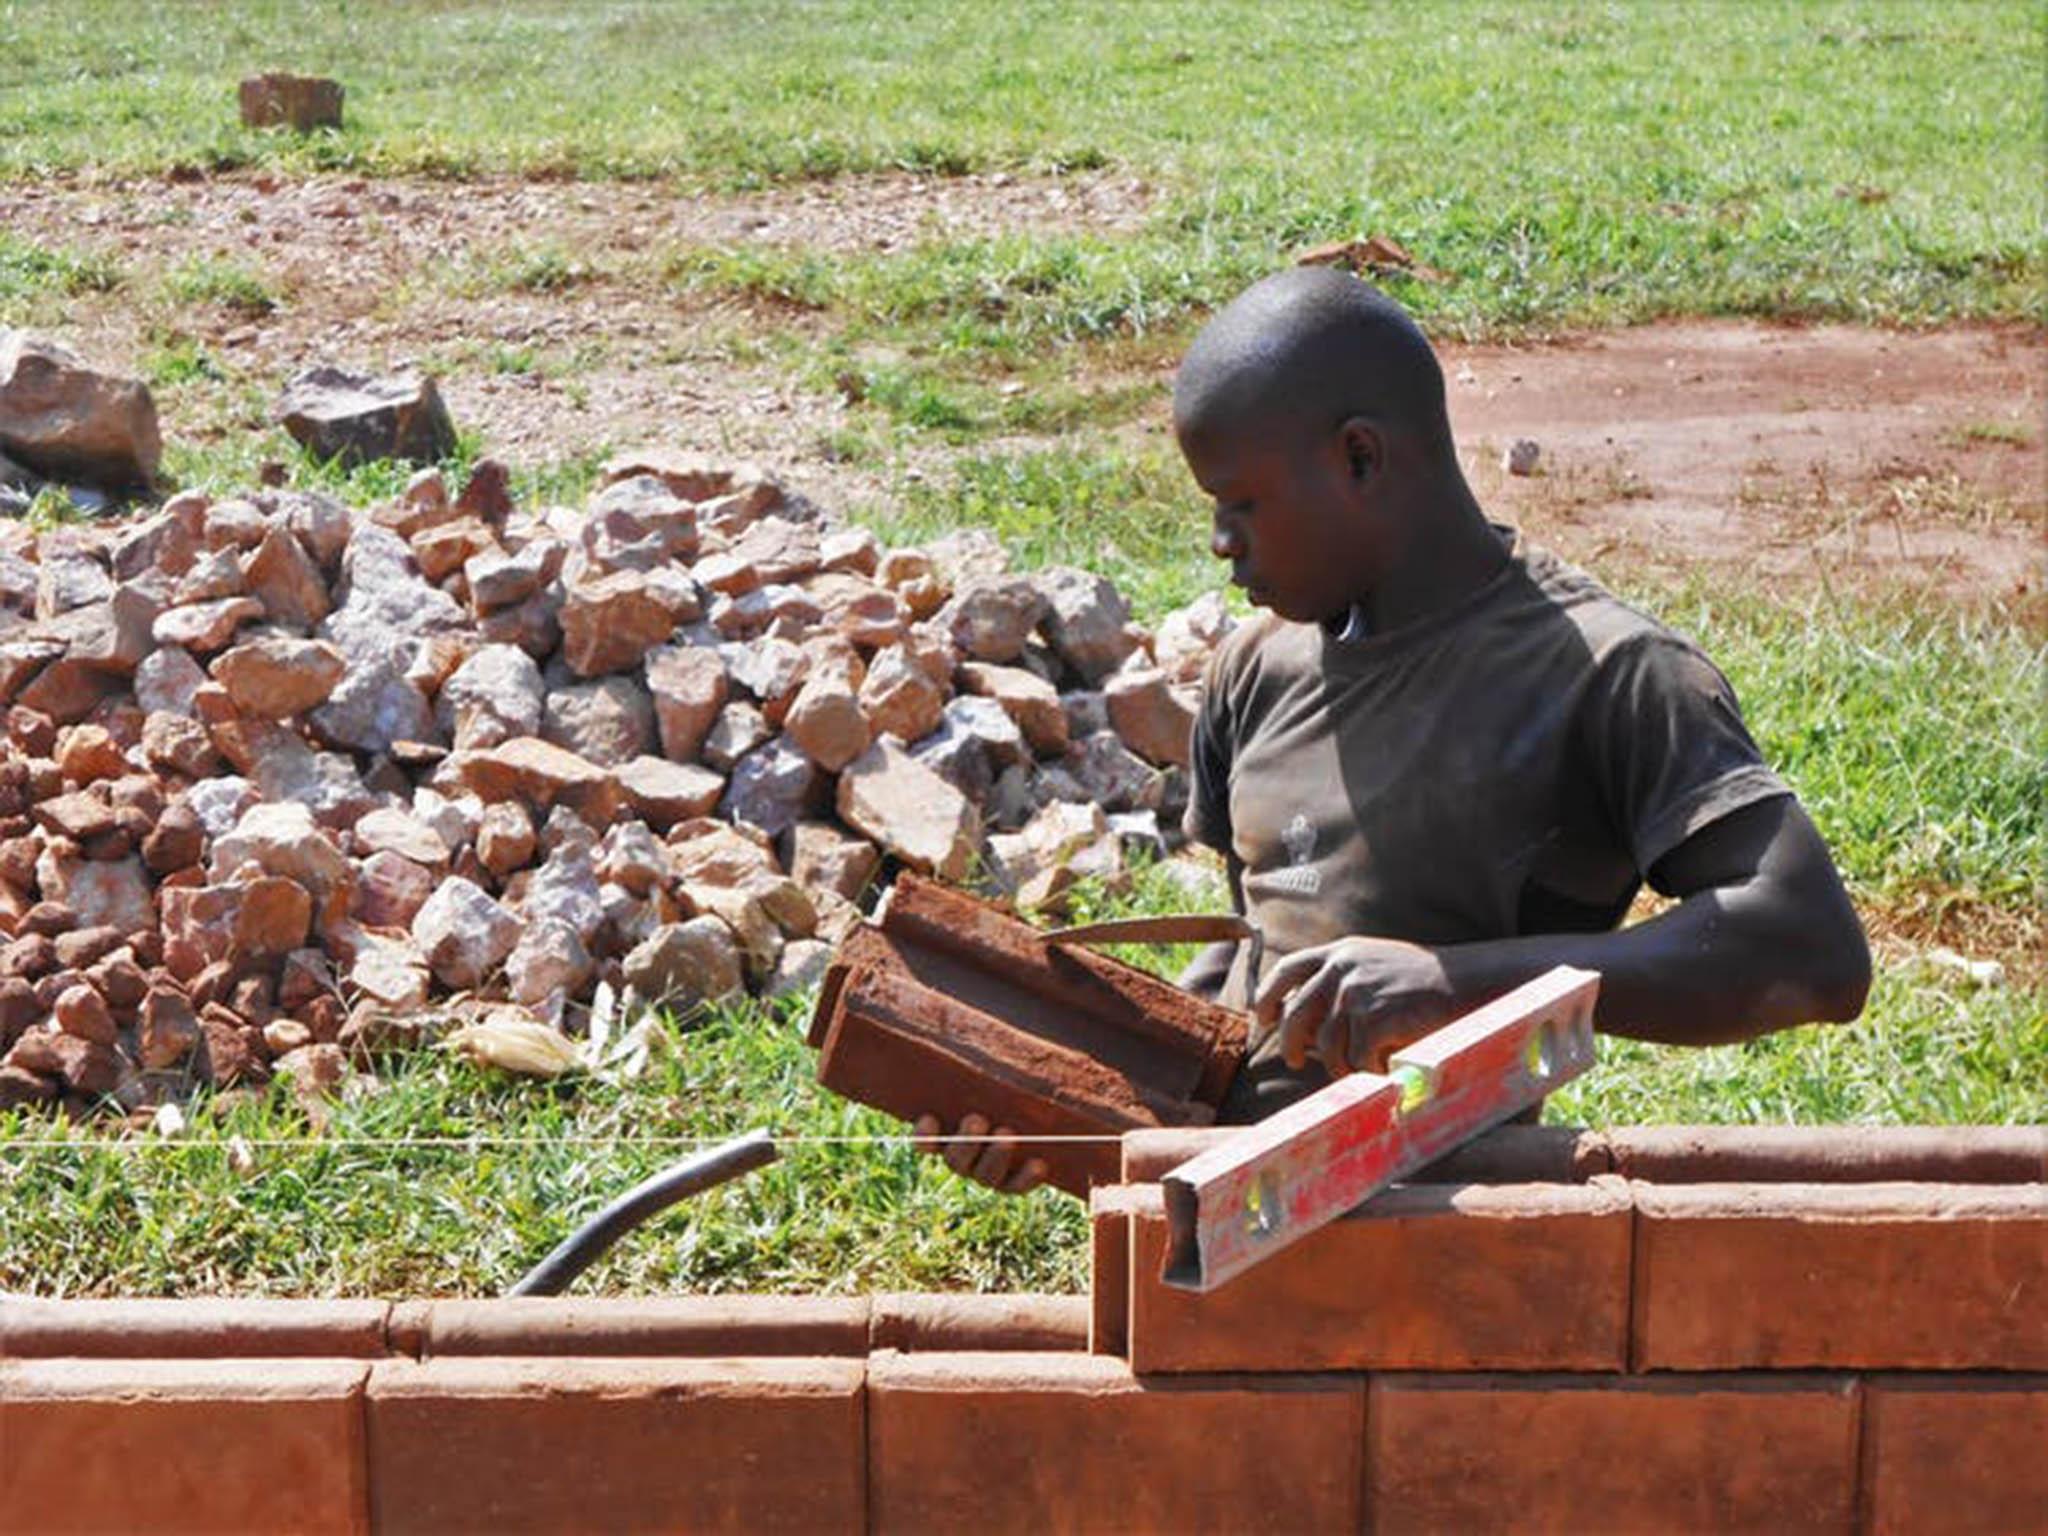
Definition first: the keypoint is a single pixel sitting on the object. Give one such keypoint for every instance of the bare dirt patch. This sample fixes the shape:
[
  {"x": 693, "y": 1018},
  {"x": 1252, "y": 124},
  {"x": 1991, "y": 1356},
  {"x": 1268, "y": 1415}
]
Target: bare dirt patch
[
  {"x": 1784, "y": 452},
  {"x": 541, "y": 303}
]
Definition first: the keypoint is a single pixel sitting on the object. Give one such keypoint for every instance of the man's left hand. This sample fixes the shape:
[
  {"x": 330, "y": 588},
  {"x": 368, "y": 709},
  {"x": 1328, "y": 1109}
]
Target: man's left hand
[{"x": 1354, "y": 1002}]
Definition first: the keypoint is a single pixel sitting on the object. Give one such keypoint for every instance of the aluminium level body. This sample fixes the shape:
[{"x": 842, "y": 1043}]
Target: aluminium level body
[{"x": 1280, "y": 1180}]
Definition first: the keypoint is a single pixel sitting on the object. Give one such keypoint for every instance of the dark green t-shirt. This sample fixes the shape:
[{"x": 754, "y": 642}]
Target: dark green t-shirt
[{"x": 1516, "y": 764}]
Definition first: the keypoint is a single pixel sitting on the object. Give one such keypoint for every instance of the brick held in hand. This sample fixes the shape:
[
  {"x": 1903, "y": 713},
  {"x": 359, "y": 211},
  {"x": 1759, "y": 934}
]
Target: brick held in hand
[{"x": 947, "y": 1005}]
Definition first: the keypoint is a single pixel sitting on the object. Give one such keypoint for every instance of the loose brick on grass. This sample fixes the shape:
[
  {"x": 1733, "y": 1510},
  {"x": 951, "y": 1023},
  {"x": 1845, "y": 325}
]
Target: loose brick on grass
[
  {"x": 268, "y": 1445},
  {"x": 1721, "y": 1454},
  {"x": 1035, "y": 1443},
  {"x": 908, "y": 1320},
  {"x": 198, "y": 1329},
  {"x": 654, "y": 1325},
  {"x": 1831, "y": 1154},
  {"x": 565, "y": 1444},
  {"x": 1421, "y": 1277},
  {"x": 1880, "y": 1276},
  {"x": 1960, "y": 1454}
]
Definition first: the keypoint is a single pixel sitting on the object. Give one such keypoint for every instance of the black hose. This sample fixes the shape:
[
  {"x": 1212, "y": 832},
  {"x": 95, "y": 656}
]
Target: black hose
[{"x": 583, "y": 1247}]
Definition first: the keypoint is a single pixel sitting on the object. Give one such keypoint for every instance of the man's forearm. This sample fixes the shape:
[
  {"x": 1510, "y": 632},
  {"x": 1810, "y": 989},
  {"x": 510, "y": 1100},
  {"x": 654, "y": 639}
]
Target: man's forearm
[{"x": 1720, "y": 966}]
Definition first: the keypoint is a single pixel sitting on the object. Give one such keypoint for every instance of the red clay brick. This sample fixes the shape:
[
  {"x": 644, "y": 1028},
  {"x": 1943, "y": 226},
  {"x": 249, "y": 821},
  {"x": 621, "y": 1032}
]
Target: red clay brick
[
  {"x": 1955, "y": 1453},
  {"x": 1509, "y": 1154},
  {"x": 182, "y": 1445},
  {"x": 192, "y": 1330},
  {"x": 1423, "y": 1277},
  {"x": 951, "y": 1007},
  {"x": 663, "y": 1325},
  {"x": 1109, "y": 1264},
  {"x": 1564, "y": 1453},
  {"x": 910, "y": 1321},
  {"x": 506, "y": 1445},
  {"x": 1831, "y": 1154},
  {"x": 1881, "y": 1276},
  {"x": 1034, "y": 1443}
]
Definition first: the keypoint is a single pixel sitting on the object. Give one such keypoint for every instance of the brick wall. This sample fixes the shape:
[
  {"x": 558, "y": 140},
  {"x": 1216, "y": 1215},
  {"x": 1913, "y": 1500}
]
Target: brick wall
[{"x": 1638, "y": 1331}]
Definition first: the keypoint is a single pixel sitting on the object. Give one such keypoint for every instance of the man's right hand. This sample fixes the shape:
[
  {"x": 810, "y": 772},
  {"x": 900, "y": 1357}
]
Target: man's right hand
[{"x": 988, "y": 1156}]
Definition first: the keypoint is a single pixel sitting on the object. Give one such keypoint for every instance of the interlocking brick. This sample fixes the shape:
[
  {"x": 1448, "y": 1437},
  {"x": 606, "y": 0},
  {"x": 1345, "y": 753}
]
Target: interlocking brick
[
  {"x": 1109, "y": 1264},
  {"x": 1831, "y": 1154},
  {"x": 1508, "y": 1154},
  {"x": 182, "y": 1445},
  {"x": 1881, "y": 1276},
  {"x": 1959, "y": 1454},
  {"x": 198, "y": 1329},
  {"x": 1716, "y": 1454},
  {"x": 906, "y": 1320},
  {"x": 945, "y": 1005},
  {"x": 1421, "y": 1277},
  {"x": 565, "y": 1444},
  {"x": 1034, "y": 1443},
  {"x": 656, "y": 1325}
]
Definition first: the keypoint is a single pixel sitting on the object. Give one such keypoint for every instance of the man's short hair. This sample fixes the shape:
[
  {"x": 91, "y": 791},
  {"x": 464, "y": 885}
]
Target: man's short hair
[{"x": 1311, "y": 347}]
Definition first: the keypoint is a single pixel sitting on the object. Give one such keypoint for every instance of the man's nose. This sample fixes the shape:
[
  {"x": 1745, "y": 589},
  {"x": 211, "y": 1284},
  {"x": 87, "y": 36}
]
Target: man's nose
[{"x": 1226, "y": 541}]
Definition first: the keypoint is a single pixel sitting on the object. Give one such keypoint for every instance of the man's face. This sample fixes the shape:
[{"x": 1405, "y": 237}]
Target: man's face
[{"x": 1291, "y": 517}]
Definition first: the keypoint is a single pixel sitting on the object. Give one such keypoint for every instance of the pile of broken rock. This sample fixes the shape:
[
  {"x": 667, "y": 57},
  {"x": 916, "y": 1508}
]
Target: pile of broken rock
[{"x": 279, "y": 778}]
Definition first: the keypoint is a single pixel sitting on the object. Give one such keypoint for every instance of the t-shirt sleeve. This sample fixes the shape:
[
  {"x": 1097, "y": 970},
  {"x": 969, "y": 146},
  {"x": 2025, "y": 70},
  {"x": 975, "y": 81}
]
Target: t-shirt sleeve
[
  {"x": 1208, "y": 814},
  {"x": 1666, "y": 741}
]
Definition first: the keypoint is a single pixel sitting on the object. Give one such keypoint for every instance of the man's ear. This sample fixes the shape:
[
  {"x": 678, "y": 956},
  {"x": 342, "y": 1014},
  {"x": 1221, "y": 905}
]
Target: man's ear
[{"x": 1364, "y": 451}]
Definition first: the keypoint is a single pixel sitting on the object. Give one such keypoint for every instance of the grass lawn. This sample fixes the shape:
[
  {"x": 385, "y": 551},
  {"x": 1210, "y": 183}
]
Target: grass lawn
[{"x": 1567, "y": 164}]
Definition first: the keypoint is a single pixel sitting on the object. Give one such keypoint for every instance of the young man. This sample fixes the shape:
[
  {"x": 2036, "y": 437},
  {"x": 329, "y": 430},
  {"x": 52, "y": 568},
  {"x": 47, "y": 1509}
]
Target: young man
[{"x": 1442, "y": 762}]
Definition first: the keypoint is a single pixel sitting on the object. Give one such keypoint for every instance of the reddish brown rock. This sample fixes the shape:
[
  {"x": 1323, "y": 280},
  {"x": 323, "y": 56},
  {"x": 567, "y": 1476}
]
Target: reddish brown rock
[
  {"x": 272, "y": 918},
  {"x": 610, "y": 623},
  {"x": 80, "y": 816},
  {"x": 825, "y": 720},
  {"x": 463, "y": 934},
  {"x": 232, "y": 1051},
  {"x": 823, "y": 858},
  {"x": 274, "y": 678},
  {"x": 389, "y": 830},
  {"x": 174, "y": 744},
  {"x": 901, "y": 697},
  {"x": 544, "y": 775},
  {"x": 912, "y": 812},
  {"x": 663, "y": 793},
  {"x": 88, "y": 753},
  {"x": 82, "y": 1012},
  {"x": 178, "y": 842},
  {"x": 1026, "y": 698},
  {"x": 205, "y": 627},
  {"x": 505, "y": 838},
  {"x": 169, "y": 1028},
  {"x": 281, "y": 576},
  {"x": 89, "y": 1067},
  {"x": 1155, "y": 719}
]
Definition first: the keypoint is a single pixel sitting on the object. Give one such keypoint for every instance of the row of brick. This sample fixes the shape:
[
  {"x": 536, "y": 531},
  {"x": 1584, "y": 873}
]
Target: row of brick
[
  {"x": 1692, "y": 1154},
  {"x": 689, "y": 1326},
  {"x": 1608, "y": 1275},
  {"x": 993, "y": 1442}
]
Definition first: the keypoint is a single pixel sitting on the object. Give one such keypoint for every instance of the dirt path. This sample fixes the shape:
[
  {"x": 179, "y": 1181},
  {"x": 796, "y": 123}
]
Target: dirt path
[{"x": 1780, "y": 451}]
